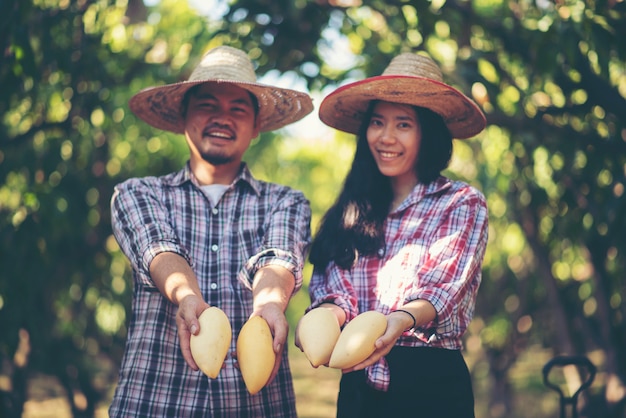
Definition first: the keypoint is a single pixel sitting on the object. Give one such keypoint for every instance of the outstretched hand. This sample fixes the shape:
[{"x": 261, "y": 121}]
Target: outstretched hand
[
  {"x": 187, "y": 323},
  {"x": 384, "y": 344},
  {"x": 279, "y": 327}
]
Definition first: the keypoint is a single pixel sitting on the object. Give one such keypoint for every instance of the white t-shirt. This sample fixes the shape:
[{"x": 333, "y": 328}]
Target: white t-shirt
[{"x": 215, "y": 192}]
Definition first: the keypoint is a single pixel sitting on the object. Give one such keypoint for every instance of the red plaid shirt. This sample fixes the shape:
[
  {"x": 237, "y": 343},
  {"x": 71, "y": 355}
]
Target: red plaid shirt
[
  {"x": 435, "y": 243},
  {"x": 253, "y": 225}
]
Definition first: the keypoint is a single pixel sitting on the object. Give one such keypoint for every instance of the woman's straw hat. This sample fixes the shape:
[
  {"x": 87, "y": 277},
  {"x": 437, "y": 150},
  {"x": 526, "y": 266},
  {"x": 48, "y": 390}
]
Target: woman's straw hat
[
  {"x": 409, "y": 79},
  {"x": 161, "y": 106}
]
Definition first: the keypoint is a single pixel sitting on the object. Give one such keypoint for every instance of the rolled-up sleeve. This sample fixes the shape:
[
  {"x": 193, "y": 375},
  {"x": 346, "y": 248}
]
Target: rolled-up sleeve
[
  {"x": 333, "y": 285},
  {"x": 451, "y": 270},
  {"x": 141, "y": 225},
  {"x": 286, "y": 238}
]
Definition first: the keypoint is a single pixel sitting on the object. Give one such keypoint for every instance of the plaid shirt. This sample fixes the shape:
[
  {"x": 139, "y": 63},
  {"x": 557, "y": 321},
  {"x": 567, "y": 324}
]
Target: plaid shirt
[
  {"x": 435, "y": 243},
  {"x": 255, "y": 224}
]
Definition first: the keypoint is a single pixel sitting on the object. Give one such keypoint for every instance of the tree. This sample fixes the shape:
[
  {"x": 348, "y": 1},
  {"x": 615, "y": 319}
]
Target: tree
[
  {"x": 551, "y": 79},
  {"x": 66, "y": 139},
  {"x": 550, "y": 76}
]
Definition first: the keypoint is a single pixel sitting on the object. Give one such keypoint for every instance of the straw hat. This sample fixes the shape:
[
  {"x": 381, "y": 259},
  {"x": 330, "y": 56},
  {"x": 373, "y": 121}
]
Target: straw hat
[
  {"x": 161, "y": 106},
  {"x": 409, "y": 79}
]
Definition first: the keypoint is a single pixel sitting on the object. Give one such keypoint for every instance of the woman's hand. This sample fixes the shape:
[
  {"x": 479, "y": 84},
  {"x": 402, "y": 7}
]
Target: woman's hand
[
  {"x": 396, "y": 325},
  {"x": 320, "y": 319}
]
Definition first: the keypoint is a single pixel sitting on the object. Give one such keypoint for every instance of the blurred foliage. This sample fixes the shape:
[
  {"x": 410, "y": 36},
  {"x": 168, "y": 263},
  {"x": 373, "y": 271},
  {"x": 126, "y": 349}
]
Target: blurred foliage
[{"x": 551, "y": 77}]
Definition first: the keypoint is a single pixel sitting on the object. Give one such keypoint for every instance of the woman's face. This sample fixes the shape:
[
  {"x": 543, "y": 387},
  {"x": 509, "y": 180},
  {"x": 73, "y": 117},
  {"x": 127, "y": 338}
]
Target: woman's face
[{"x": 394, "y": 135}]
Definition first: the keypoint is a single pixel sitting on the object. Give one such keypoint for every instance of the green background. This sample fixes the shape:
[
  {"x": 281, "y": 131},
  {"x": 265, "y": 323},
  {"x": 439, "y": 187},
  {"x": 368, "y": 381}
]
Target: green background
[{"x": 550, "y": 76}]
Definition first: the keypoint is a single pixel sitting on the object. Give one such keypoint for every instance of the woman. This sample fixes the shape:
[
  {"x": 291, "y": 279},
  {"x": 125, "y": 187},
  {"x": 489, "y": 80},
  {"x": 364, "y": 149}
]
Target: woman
[{"x": 403, "y": 240}]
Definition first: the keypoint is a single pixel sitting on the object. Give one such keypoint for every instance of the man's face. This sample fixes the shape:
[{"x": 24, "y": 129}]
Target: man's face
[{"x": 220, "y": 123}]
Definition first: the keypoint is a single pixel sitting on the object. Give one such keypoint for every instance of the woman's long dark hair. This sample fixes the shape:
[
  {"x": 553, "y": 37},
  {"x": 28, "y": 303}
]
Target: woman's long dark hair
[{"x": 353, "y": 226}]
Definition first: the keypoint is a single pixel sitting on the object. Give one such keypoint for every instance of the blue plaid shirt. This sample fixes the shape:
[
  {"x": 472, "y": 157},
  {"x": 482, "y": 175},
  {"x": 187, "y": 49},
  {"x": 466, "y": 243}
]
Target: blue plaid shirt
[{"x": 254, "y": 224}]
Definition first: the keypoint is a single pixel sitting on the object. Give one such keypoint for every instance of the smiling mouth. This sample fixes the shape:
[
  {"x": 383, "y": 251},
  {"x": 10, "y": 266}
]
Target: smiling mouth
[
  {"x": 226, "y": 135},
  {"x": 388, "y": 154}
]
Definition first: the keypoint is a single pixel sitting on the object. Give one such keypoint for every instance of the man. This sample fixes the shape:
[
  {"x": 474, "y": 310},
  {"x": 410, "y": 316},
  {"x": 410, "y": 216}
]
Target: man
[{"x": 209, "y": 235}]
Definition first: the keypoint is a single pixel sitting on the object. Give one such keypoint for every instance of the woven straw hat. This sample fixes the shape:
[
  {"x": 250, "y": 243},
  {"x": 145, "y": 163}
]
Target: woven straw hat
[
  {"x": 161, "y": 106},
  {"x": 409, "y": 79}
]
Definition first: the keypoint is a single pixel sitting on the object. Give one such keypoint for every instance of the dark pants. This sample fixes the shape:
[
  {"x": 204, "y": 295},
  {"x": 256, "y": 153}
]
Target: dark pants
[{"x": 425, "y": 383}]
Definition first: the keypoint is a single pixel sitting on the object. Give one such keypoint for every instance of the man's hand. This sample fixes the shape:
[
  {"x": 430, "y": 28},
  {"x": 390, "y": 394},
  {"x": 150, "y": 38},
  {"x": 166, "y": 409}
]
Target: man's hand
[
  {"x": 189, "y": 310},
  {"x": 272, "y": 288},
  {"x": 176, "y": 281},
  {"x": 279, "y": 327}
]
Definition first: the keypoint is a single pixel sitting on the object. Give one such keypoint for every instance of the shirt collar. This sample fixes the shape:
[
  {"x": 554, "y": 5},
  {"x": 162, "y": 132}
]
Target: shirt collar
[
  {"x": 185, "y": 175},
  {"x": 245, "y": 177},
  {"x": 422, "y": 190}
]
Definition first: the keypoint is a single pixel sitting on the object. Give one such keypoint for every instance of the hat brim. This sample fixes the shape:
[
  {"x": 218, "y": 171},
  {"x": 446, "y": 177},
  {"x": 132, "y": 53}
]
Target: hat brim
[
  {"x": 161, "y": 106},
  {"x": 345, "y": 108}
]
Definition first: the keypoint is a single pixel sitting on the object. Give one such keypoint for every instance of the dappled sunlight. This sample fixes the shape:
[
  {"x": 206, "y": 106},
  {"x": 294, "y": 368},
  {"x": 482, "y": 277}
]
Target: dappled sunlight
[
  {"x": 551, "y": 164},
  {"x": 110, "y": 316}
]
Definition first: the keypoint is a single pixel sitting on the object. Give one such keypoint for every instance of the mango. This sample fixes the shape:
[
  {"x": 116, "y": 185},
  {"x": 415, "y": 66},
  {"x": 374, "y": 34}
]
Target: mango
[
  {"x": 356, "y": 341},
  {"x": 210, "y": 346},
  {"x": 318, "y": 332},
  {"x": 255, "y": 353}
]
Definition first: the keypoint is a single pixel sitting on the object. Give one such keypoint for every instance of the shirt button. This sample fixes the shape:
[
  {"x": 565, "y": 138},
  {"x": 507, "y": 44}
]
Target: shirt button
[
  {"x": 381, "y": 252},
  {"x": 214, "y": 247},
  {"x": 214, "y": 211},
  {"x": 213, "y": 286}
]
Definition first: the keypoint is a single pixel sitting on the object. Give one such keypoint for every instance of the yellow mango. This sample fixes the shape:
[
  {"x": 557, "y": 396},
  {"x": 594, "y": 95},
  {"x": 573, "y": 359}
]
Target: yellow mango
[
  {"x": 255, "y": 353},
  {"x": 356, "y": 341},
  {"x": 210, "y": 346},
  {"x": 318, "y": 332}
]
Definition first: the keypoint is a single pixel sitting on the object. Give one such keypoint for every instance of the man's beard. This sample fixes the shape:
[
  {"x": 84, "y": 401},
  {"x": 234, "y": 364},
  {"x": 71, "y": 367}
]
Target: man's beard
[
  {"x": 217, "y": 156},
  {"x": 217, "y": 159}
]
